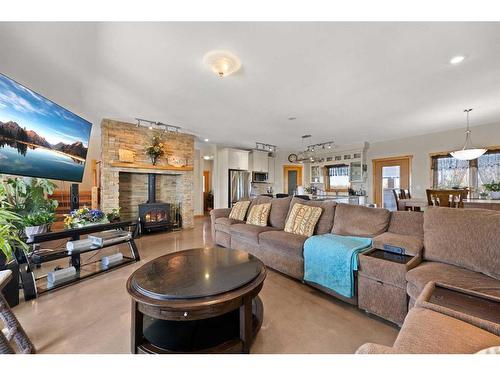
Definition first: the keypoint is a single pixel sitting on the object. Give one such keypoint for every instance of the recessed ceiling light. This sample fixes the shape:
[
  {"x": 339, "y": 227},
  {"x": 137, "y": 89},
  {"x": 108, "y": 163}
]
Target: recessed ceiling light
[
  {"x": 292, "y": 118},
  {"x": 206, "y": 139},
  {"x": 457, "y": 59}
]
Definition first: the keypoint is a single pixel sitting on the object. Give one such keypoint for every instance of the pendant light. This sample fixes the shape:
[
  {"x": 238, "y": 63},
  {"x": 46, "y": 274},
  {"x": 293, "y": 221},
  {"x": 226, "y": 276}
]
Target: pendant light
[{"x": 468, "y": 152}]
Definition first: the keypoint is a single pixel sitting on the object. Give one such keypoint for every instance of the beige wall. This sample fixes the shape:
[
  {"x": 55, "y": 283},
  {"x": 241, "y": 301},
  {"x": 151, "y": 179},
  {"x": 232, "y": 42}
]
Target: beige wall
[{"x": 420, "y": 147}]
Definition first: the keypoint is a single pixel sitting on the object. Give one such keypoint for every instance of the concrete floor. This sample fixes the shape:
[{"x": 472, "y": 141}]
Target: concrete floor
[{"x": 93, "y": 316}]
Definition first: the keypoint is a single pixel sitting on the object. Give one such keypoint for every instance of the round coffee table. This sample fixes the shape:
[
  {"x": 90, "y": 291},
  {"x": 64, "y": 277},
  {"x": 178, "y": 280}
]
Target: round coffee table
[{"x": 197, "y": 301}]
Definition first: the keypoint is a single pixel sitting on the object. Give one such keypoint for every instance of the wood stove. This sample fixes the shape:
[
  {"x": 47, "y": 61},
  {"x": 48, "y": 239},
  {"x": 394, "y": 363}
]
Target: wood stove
[{"x": 154, "y": 215}]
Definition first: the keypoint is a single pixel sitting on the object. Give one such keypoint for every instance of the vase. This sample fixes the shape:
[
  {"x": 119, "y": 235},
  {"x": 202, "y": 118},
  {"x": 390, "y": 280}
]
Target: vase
[
  {"x": 154, "y": 159},
  {"x": 495, "y": 195},
  {"x": 38, "y": 229}
]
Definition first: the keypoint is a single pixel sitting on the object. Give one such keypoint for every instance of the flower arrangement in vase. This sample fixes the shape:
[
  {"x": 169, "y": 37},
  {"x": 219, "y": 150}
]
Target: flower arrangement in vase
[
  {"x": 84, "y": 217},
  {"x": 155, "y": 148}
]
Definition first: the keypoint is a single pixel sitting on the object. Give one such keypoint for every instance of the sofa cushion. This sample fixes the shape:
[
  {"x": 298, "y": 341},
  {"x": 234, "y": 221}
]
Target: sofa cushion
[
  {"x": 223, "y": 223},
  {"x": 419, "y": 276},
  {"x": 258, "y": 200},
  {"x": 353, "y": 220},
  {"x": 425, "y": 331},
  {"x": 248, "y": 231},
  {"x": 259, "y": 214},
  {"x": 283, "y": 252},
  {"x": 412, "y": 245},
  {"x": 466, "y": 238},
  {"x": 410, "y": 223},
  {"x": 302, "y": 219},
  {"x": 279, "y": 211},
  {"x": 325, "y": 221},
  {"x": 239, "y": 210},
  {"x": 283, "y": 242}
]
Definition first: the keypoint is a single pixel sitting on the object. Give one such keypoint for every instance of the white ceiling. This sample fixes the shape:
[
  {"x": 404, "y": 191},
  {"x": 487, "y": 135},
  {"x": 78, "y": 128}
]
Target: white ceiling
[{"x": 349, "y": 82}]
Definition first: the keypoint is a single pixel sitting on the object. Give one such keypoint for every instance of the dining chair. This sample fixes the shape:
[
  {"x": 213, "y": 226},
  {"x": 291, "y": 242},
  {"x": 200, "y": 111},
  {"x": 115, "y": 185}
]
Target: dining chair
[
  {"x": 446, "y": 198},
  {"x": 403, "y": 194},
  {"x": 281, "y": 195}
]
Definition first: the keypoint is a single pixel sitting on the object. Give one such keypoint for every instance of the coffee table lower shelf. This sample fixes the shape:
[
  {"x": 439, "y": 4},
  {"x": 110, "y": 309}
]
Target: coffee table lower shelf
[{"x": 220, "y": 334}]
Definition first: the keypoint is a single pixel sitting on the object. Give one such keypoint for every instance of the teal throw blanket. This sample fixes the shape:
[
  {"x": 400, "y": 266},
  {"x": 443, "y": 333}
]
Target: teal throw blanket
[{"x": 330, "y": 261}]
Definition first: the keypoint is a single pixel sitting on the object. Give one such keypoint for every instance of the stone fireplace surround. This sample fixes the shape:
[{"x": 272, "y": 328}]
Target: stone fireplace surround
[{"x": 125, "y": 186}]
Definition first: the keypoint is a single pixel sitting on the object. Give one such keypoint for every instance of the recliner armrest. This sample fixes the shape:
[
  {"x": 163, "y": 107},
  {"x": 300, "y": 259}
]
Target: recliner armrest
[
  {"x": 219, "y": 212},
  {"x": 214, "y": 215}
]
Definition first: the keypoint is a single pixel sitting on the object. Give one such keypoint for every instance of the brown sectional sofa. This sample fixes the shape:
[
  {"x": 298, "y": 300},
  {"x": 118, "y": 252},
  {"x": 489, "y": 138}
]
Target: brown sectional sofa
[
  {"x": 284, "y": 251},
  {"x": 459, "y": 247}
]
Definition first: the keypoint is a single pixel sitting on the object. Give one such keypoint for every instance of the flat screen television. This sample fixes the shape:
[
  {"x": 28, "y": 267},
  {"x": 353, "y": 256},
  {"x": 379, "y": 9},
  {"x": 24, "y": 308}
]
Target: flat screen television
[{"x": 39, "y": 138}]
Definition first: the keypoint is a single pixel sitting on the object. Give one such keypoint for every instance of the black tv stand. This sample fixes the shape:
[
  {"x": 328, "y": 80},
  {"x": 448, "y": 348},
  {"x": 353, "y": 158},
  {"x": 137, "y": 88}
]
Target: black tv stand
[{"x": 34, "y": 286}]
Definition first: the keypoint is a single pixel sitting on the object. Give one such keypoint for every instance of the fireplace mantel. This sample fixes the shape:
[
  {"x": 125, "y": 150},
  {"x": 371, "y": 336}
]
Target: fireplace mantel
[{"x": 151, "y": 167}]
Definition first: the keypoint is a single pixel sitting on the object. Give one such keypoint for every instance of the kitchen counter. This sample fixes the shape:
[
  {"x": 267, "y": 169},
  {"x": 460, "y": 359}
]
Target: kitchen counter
[{"x": 489, "y": 204}]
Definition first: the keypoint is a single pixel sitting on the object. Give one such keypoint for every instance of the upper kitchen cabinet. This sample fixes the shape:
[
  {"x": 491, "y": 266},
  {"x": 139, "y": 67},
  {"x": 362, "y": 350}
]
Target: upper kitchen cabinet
[
  {"x": 259, "y": 161},
  {"x": 237, "y": 159}
]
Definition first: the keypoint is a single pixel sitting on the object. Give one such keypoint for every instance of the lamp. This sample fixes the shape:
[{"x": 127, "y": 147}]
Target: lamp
[
  {"x": 468, "y": 152},
  {"x": 222, "y": 63}
]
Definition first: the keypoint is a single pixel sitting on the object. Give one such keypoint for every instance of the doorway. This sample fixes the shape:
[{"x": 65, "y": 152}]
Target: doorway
[
  {"x": 388, "y": 174},
  {"x": 208, "y": 197},
  {"x": 292, "y": 177}
]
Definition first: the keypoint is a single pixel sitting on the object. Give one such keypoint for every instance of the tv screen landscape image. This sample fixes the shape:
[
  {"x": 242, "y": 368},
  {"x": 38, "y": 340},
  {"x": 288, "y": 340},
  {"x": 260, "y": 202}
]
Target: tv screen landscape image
[{"x": 39, "y": 138}]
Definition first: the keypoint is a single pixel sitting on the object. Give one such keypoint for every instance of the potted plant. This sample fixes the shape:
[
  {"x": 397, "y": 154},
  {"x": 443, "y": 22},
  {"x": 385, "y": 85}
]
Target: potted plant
[
  {"x": 9, "y": 242},
  {"x": 38, "y": 222},
  {"x": 494, "y": 189},
  {"x": 155, "y": 148}
]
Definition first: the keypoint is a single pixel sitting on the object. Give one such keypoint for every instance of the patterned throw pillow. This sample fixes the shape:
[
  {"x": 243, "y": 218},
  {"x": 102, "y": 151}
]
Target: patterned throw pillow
[
  {"x": 302, "y": 219},
  {"x": 239, "y": 210},
  {"x": 259, "y": 214}
]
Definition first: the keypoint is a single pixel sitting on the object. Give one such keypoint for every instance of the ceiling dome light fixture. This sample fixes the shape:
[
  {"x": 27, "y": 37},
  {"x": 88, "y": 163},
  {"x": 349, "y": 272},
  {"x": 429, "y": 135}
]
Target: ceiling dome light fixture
[
  {"x": 457, "y": 59},
  {"x": 222, "y": 63},
  {"x": 468, "y": 152}
]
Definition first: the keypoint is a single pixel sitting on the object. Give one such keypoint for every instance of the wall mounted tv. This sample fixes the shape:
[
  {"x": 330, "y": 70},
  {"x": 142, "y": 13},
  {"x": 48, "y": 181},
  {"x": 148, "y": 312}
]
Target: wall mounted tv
[{"x": 39, "y": 138}]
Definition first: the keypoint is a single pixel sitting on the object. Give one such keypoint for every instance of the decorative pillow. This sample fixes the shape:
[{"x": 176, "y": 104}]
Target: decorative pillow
[
  {"x": 259, "y": 214},
  {"x": 239, "y": 210},
  {"x": 302, "y": 219}
]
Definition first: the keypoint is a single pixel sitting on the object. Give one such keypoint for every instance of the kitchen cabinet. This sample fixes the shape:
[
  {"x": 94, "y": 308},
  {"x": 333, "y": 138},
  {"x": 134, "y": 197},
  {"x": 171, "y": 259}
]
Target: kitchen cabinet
[
  {"x": 357, "y": 171},
  {"x": 237, "y": 159},
  {"x": 271, "y": 170},
  {"x": 316, "y": 174},
  {"x": 259, "y": 161}
]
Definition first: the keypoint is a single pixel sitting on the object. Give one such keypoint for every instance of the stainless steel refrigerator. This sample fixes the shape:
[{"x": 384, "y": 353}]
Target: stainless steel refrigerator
[{"x": 239, "y": 186}]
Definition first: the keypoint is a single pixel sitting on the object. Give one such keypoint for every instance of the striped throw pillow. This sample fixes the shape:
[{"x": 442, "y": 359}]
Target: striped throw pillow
[
  {"x": 259, "y": 214},
  {"x": 239, "y": 210},
  {"x": 302, "y": 219}
]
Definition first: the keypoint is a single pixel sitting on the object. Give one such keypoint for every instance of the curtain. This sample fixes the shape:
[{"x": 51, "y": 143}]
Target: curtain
[
  {"x": 338, "y": 170},
  {"x": 450, "y": 172},
  {"x": 488, "y": 167}
]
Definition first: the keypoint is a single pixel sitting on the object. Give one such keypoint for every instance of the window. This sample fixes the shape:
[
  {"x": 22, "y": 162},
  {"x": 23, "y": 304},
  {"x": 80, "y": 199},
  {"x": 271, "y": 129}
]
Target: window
[
  {"x": 449, "y": 173},
  {"x": 338, "y": 176}
]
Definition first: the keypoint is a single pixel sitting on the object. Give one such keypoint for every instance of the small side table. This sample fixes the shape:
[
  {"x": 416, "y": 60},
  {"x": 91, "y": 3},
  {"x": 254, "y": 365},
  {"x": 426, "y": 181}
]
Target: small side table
[
  {"x": 382, "y": 283},
  {"x": 479, "y": 309}
]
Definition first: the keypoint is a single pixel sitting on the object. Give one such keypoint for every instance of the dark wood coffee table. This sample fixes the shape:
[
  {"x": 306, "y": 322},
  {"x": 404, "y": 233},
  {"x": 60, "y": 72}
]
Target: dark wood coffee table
[{"x": 197, "y": 301}]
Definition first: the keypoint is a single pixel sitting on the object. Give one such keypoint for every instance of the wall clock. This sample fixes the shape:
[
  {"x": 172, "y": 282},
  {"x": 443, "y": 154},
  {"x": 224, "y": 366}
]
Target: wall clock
[{"x": 292, "y": 158}]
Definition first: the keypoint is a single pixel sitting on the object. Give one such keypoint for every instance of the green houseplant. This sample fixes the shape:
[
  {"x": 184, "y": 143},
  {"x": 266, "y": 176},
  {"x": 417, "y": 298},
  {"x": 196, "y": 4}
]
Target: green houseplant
[
  {"x": 10, "y": 241},
  {"x": 27, "y": 197},
  {"x": 494, "y": 189}
]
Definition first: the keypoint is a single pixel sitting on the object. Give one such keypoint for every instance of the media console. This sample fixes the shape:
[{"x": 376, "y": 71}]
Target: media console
[{"x": 34, "y": 286}]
